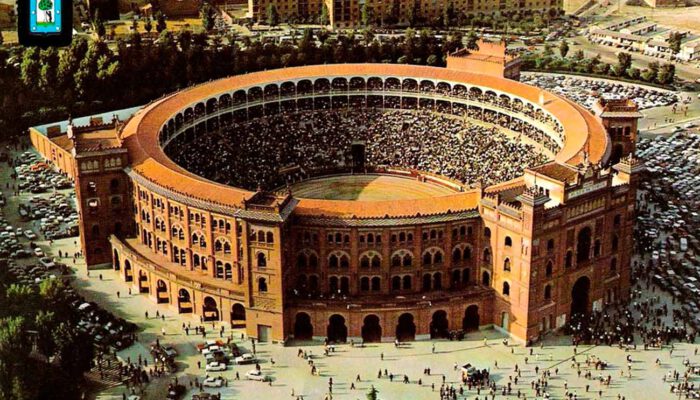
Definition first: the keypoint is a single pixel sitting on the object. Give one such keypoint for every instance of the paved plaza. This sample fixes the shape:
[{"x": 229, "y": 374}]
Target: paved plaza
[{"x": 291, "y": 375}]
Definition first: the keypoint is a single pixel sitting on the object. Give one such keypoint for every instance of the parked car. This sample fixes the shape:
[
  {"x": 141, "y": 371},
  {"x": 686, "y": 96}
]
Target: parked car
[
  {"x": 246, "y": 358},
  {"x": 215, "y": 366},
  {"x": 213, "y": 382},
  {"x": 47, "y": 262},
  {"x": 256, "y": 375}
]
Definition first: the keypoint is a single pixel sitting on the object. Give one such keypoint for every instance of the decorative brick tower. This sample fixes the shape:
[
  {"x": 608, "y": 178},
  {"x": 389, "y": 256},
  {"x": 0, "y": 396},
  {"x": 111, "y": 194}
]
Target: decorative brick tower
[
  {"x": 620, "y": 119},
  {"x": 102, "y": 189}
]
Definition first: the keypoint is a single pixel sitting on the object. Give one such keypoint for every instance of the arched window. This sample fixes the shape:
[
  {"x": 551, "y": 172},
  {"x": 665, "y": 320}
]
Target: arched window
[
  {"x": 396, "y": 283},
  {"x": 261, "y": 236},
  {"x": 617, "y": 220},
  {"x": 487, "y": 256},
  {"x": 456, "y": 255},
  {"x": 396, "y": 261},
  {"x": 506, "y": 264},
  {"x": 427, "y": 260},
  {"x": 302, "y": 261},
  {"x": 550, "y": 245},
  {"x": 613, "y": 265},
  {"x": 344, "y": 262},
  {"x": 333, "y": 284},
  {"x": 437, "y": 258},
  {"x": 487, "y": 233},
  {"x": 364, "y": 262},
  {"x": 506, "y": 289},
  {"x": 466, "y": 254},
  {"x": 548, "y": 269},
  {"x": 333, "y": 261},
  {"x": 583, "y": 245},
  {"x": 262, "y": 260},
  {"x": 262, "y": 285},
  {"x": 615, "y": 243},
  {"x": 313, "y": 261},
  {"x": 437, "y": 281},
  {"x": 376, "y": 284},
  {"x": 597, "y": 248},
  {"x": 407, "y": 260},
  {"x": 508, "y": 241},
  {"x": 364, "y": 284},
  {"x": 270, "y": 237},
  {"x": 376, "y": 261},
  {"x": 569, "y": 262},
  {"x": 406, "y": 282},
  {"x": 548, "y": 292},
  {"x": 485, "y": 278}
]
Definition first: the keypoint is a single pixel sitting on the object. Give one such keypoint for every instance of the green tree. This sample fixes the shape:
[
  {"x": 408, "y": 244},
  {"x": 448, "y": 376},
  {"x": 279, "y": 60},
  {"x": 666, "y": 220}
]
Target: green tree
[
  {"x": 448, "y": 14},
  {"x": 45, "y": 5},
  {"x": 624, "y": 62},
  {"x": 548, "y": 52},
  {"x": 160, "y": 22},
  {"x": 564, "y": 48},
  {"x": 366, "y": 15},
  {"x": 273, "y": 17},
  {"x": 578, "y": 55},
  {"x": 30, "y": 66},
  {"x": 472, "y": 41},
  {"x": 75, "y": 357},
  {"x": 634, "y": 73},
  {"x": 324, "y": 19},
  {"x": 206, "y": 13},
  {"x": 148, "y": 25},
  {"x": 373, "y": 393},
  {"x": 666, "y": 74},
  {"x": 99, "y": 26},
  {"x": 674, "y": 40}
]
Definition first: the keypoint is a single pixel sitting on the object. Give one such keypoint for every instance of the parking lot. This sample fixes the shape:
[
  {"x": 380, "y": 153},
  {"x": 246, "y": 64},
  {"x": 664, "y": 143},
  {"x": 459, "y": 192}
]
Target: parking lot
[{"x": 586, "y": 91}]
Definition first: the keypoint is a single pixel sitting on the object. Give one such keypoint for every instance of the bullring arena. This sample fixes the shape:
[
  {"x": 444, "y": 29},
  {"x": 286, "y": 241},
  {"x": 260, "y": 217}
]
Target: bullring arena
[{"x": 360, "y": 202}]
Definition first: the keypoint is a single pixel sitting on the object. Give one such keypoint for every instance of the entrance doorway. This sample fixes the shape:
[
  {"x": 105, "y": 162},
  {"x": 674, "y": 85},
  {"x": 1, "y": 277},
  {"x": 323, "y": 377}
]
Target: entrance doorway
[
  {"x": 579, "y": 296},
  {"x": 336, "y": 330},
  {"x": 303, "y": 329},
  {"x": 406, "y": 328},
  {"x": 162, "y": 295},
  {"x": 371, "y": 329},
  {"x": 143, "y": 282},
  {"x": 439, "y": 326},
  {"x": 504, "y": 320},
  {"x": 210, "y": 309},
  {"x": 264, "y": 333},
  {"x": 184, "y": 303},
  {"x": 237, "y": 315},
  {"x": 471, "y": 319}
]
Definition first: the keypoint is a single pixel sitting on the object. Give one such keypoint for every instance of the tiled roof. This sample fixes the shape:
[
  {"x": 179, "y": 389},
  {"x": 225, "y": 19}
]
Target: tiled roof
[
  {"x": 559, "y": 172},
  {"x": 148, "y": 160}
]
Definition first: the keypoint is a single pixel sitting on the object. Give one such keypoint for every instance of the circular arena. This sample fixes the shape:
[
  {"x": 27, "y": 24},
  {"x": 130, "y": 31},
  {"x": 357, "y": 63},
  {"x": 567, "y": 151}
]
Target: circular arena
[{"x": 366, "y": 202}]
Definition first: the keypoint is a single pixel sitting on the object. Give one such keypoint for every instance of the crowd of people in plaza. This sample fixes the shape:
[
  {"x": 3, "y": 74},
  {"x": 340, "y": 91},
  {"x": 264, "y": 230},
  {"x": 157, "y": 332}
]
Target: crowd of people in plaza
[{"x": 273, "y": 151}]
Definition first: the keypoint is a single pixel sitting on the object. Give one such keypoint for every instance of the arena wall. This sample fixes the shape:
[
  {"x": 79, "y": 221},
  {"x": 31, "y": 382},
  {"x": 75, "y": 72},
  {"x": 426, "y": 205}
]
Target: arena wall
[{"x": 282, "y": 266}]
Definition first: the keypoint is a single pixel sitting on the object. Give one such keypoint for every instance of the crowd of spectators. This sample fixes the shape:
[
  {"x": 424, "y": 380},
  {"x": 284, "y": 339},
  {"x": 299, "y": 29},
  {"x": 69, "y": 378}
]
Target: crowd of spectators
[{"x": 272, "y": 151}]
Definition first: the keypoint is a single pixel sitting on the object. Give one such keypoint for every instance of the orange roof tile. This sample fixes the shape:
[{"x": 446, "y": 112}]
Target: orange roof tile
[{"x": 148, "y": 159}]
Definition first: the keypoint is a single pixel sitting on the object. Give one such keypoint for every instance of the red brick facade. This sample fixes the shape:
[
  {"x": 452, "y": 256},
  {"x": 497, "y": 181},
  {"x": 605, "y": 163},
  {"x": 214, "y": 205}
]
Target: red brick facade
[{"x": 520, "y": 255}]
